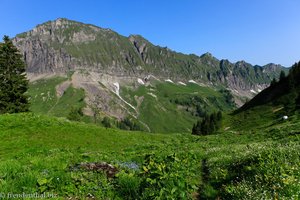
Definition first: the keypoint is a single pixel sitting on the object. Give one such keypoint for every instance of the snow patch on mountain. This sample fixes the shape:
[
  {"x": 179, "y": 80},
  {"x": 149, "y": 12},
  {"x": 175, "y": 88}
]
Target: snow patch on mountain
[
  {"x": 192, "y": 81},
  {"x": 254, "y": 92},
  {"x": 117, "y": 91},
  {"x": 140, "y": 81},
  {"x": 153, "y": 95},
  {"x": 169, "y": 80},
  {"x": 117, "y": 88}
]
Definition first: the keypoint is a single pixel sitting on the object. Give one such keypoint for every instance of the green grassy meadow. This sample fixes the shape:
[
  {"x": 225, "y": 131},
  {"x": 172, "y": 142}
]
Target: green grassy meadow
[
  {"x": 255, "y": 154},
  {"x": 164, "y": 103},
  {"x": 40, "y": 154},
  {"x": 44, "y": 100}
]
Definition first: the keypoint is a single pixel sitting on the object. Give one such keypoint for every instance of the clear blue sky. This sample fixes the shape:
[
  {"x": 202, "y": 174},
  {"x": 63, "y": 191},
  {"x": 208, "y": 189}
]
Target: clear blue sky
[{"x": 257, "y": 31}]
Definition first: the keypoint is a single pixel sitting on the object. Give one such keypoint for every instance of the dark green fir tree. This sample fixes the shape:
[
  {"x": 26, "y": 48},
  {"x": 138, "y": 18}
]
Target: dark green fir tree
[
  {"x": 13, "y": 81},
  {"x": 282, "y": 76}
]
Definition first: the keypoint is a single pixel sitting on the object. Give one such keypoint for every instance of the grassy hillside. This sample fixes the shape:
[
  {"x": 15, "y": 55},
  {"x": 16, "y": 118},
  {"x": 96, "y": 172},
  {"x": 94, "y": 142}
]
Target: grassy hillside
[
  {"x": 44, "y": 154},
  {"x": 44, "y": 100},
  {"x": 161, "y": 104},
  {"x": 158, "y": 105},
  {"x": 267, "y": 108}
]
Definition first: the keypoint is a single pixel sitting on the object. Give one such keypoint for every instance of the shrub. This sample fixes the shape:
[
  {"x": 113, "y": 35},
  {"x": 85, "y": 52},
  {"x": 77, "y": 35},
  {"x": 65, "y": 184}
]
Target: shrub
[
  {"x": 75, "y": 114},
  {"x": 128, "y": 185}
]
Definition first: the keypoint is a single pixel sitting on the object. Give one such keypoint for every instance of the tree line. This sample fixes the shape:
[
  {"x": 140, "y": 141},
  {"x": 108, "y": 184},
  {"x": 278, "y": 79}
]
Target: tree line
[{"x": 208, "y": 125}]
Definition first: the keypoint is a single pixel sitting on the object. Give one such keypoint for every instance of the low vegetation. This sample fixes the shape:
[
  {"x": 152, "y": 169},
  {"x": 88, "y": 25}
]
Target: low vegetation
[{"x": 44, "y": 154}]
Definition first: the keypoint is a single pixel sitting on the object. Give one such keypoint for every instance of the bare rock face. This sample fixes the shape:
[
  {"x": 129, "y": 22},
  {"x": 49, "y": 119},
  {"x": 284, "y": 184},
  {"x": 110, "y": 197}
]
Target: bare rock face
[
  {"x": 47, "y": 60},
  {"x": 140, "y": 44},
  {"x": 44, "y": 46},
  {"x": 42, "y": 58}
]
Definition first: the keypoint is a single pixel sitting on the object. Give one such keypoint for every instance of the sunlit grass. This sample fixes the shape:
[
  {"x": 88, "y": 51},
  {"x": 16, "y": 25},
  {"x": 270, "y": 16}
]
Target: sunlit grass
[{"x": 38, "y": 154}]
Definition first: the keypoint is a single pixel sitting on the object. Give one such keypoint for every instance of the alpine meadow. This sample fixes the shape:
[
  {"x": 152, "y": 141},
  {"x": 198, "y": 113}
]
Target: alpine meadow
[{"x": 88, "y": 113}]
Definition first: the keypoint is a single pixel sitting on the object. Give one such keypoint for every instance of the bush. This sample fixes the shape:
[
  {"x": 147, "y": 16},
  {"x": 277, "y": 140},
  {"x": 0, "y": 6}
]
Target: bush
[
  {"x": 75, "y": 114},
  {"x": 106, "y": 122},
  {"x": 128, "y": 124},
  {"x": 162, "y": 178},
  {"x": 128, "y": 185}
]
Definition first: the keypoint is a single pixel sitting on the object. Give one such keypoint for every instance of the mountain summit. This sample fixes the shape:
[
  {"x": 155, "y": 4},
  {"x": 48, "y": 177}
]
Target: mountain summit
[{"x": 63, "y": 45}]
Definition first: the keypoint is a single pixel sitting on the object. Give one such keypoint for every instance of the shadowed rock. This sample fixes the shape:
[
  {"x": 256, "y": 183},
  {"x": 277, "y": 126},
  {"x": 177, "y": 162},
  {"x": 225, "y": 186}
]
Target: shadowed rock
[{"x": 109, "y": 169}]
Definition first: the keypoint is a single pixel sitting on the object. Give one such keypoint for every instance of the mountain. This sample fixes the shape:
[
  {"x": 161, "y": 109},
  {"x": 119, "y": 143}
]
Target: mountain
[
  {"x": 63, "y": 45},
  {"x": 284, "y": 92},
  {"x": 129, "y": 76},
  {"x": 281, "y": 98}
]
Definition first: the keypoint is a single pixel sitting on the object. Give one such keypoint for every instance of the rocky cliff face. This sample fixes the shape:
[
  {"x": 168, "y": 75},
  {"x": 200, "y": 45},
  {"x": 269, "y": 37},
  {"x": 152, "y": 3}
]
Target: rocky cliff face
[
  {"x": 39, "y": 55},
  {"x": 61, "y": 46}
]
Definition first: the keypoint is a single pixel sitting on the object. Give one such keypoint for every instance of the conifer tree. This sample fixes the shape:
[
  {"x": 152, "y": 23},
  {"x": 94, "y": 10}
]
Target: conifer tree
[
  {"x": 293, "y": 77},
  {"x": 281, "y": 76},
  {"x": 208, "y": 125},
  {"x": 273, "y": 82},
  {"x": 297, "y": 102},
  {"x": 13, "y": 82}
]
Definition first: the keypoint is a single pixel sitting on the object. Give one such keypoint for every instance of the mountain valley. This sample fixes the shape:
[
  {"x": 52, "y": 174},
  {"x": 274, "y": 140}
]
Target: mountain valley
[
  {"x": 127, "y": 77},
  {"x": 113, "y": 117}
]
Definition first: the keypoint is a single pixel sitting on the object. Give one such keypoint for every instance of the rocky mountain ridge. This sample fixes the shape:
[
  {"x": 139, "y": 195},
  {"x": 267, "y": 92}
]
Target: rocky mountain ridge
[{"x": 63, "y": 45}]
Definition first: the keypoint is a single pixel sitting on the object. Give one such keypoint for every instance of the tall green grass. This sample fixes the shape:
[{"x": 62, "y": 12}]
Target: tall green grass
[{"x": 40, "y": 154}]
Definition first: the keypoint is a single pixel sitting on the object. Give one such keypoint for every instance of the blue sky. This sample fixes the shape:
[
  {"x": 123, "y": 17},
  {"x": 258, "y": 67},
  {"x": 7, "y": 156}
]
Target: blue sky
[{"x": 257, "y": 31}]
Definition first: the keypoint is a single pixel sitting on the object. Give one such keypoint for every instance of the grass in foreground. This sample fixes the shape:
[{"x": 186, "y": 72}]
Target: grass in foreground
[{"x": 40, "y": 154}]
